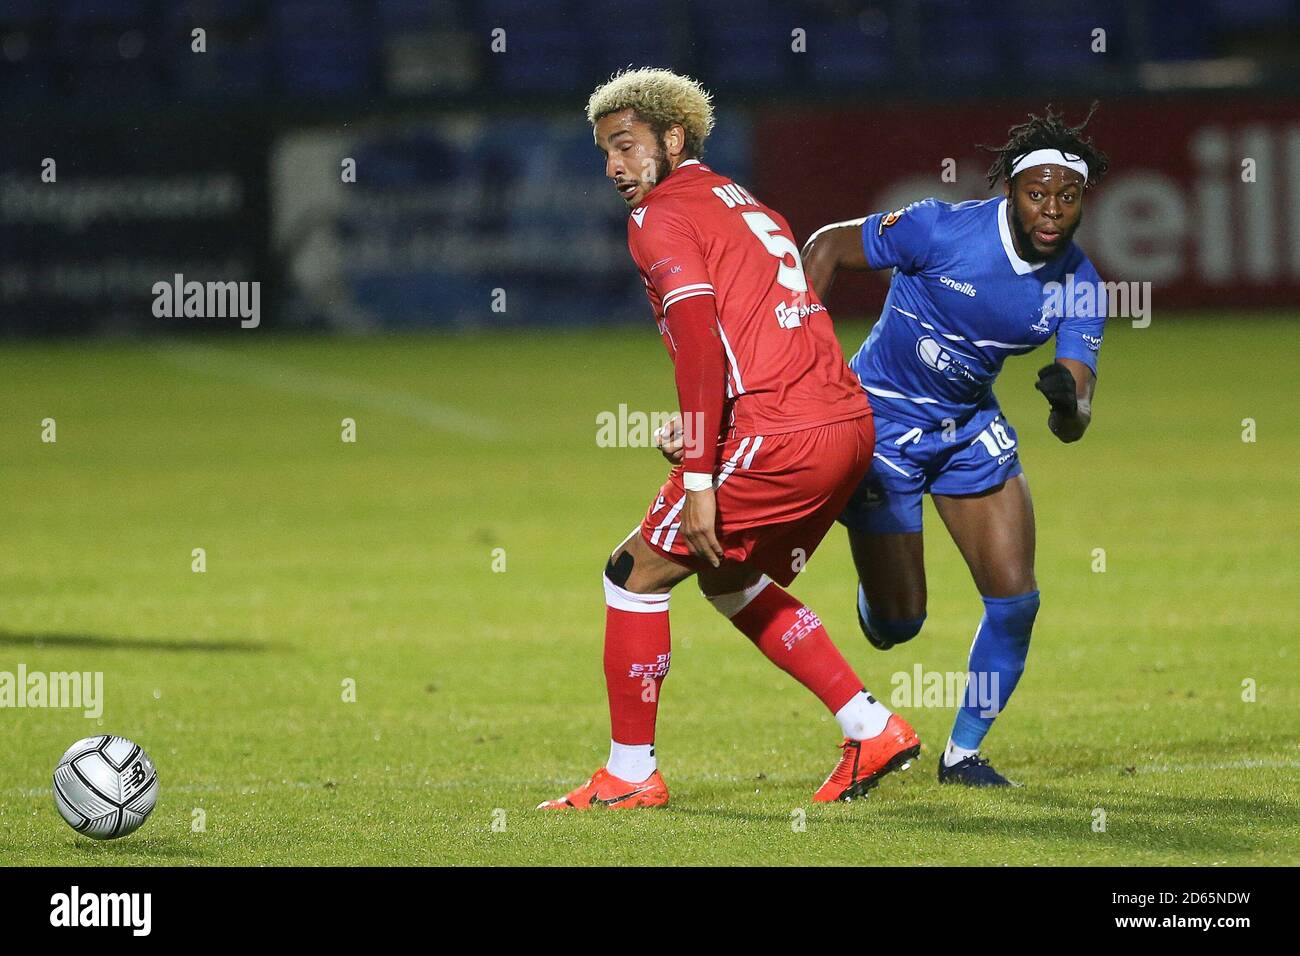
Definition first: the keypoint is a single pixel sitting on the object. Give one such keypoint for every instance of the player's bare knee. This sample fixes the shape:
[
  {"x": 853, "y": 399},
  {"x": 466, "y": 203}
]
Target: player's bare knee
[
  {"x": 727, "y": 579},
  {"x": 619, "y": 567},
  {"x": 907, "y": 609},
  {"x": 892, "y": 631},
  {"x": 1008, "y": 585},
  {"x": 894, "y": 622},
  {"x": 900, "y": 607},
  {"x": 736, "y": 594},
  {"x": 636, "y": 567}
]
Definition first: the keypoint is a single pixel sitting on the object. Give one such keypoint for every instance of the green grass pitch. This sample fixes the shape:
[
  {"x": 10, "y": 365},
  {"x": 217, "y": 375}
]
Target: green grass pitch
[{"x": 479, "y": 692}]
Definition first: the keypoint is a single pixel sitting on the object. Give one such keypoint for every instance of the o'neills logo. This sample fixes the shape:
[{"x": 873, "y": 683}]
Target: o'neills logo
[
  {"x": 208, "y": 300},
  {"x": 965, "y": 288}
]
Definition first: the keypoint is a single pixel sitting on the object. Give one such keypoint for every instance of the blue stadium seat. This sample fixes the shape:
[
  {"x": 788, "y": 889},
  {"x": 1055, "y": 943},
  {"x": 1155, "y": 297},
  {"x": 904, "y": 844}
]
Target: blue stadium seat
[
  {"x": 1253, "y": 13},
  {"x": 314, "y": 16},
  {"x": 35, "y": 70},
  {"x": 524, "y": 14},
  {"x": 747, "y": 44},
  {"x": 783, "y": 16},
  {"x": 321, "y": 48},
  {"x": 230, "y": 69},
  {"x": 1188, "y": 36},
  {"x": 208, "y": 13},
  {"x": 841, "y": 53},
  {"x": 1061, "y": 43},
  {"x": 400, "y": 16},
  {"x": 322, "y": 66},
  {"x": 21, "y": 13},
  {"x": 964, "y": 40},
  {"x": 1057, "y": 35},
  {"x": 535, "y": 59},
  {"x": 753, "y": 55},
  {"x": 108, "y": 50},
  {"x": 611, "y": 51},
  {"x": 93, "y": 12}
]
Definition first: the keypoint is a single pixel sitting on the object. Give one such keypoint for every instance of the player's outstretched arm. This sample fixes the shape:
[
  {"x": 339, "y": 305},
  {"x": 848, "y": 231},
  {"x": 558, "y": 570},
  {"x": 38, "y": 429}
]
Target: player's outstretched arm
[
  {"x": 1068, "y": 385},
  {"x": 832, "y": 247}
]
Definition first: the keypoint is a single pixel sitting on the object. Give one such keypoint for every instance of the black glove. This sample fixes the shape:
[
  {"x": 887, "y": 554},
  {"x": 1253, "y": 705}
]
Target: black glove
[{"x": 1056, "y": 382}]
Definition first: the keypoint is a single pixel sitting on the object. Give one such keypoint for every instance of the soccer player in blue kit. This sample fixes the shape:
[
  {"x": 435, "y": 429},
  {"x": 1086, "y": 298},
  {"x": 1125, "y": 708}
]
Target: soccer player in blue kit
[{"x": 973, "y": 283}]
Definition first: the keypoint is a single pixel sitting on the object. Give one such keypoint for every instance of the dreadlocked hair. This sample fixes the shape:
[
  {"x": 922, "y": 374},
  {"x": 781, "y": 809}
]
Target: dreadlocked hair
[{"x": 1047, "y": 132}]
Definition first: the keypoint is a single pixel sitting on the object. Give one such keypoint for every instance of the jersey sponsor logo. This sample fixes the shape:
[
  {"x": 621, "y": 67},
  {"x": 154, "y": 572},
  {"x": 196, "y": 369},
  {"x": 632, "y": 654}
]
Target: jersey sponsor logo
[
  {"x": 790, "y": 317},
  {"x": 806, "y": 622},
  {"x": 1092, "y": 341},
  {"x": 943, "y": 360},
  {"x": 1043, "y": 325},
  {"x": 888, "y": 220},
  {"x": 965, "y": 288},
  {"x": 638, "y": 215},
  {"x": 655, "y": 670}
]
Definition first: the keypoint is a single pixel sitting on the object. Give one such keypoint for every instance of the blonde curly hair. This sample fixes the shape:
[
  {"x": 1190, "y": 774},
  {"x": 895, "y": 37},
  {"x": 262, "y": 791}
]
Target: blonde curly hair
[{"x": 660, "y": 97}]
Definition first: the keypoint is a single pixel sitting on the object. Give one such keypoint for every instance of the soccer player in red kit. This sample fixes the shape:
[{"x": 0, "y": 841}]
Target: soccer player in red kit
[{"x": 775, "y": 434}]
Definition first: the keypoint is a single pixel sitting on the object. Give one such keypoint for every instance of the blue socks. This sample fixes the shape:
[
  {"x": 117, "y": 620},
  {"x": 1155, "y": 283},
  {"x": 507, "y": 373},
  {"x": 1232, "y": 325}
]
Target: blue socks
[{"x": 997, "y": 659}]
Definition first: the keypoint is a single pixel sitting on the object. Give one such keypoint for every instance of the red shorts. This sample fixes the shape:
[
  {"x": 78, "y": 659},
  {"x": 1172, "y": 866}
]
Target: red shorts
[{"x": 777, "y": 497}]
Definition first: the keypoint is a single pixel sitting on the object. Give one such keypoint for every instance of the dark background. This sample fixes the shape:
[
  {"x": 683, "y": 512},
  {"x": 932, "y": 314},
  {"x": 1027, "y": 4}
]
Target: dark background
[{"x": 475, "y": 170}]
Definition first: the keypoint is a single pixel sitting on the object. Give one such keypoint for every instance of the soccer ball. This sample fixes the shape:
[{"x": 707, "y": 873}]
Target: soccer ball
[{"x": 105, "y": 787}]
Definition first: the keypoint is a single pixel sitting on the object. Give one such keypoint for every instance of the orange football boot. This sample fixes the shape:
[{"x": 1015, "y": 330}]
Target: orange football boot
[
  {"x": 866, "y": 761},
  {"x": 604, "y": 790}
]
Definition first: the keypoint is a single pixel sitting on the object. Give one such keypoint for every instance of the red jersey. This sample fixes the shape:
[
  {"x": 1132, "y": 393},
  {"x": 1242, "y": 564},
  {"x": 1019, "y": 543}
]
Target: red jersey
[{"x": 699, "y": 234}]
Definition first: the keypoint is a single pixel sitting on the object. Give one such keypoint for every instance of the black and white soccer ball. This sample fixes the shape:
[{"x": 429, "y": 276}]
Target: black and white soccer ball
[{"x": 105, "y": 787}]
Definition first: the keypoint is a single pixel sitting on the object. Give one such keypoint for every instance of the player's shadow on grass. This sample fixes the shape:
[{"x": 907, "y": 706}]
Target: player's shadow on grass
[
  {"x": 10, "y": 639},
  {"x": 1138, "y": 820},
  {"x": 1135, "y": 819}
]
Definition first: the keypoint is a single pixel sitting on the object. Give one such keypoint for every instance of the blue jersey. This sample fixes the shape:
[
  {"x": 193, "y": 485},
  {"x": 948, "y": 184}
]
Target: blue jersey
[{"x": 960, "y": 301}]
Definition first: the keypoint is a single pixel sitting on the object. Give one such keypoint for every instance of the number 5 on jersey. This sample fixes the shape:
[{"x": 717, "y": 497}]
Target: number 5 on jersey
[{"x": 769, "y": 234}]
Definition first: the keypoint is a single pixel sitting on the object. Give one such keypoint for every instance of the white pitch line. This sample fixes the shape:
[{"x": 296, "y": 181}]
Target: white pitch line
[{"x": 254, "y": 371}]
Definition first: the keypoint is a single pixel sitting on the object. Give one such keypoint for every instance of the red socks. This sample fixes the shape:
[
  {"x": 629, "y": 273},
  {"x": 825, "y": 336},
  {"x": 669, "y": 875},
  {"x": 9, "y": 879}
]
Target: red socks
[
  {"x": 637, "y": 653},
  {"x": 792, "y": 637}
]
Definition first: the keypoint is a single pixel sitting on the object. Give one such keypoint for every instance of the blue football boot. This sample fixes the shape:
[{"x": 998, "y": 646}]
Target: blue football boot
[{"x": 973, "y": 771}]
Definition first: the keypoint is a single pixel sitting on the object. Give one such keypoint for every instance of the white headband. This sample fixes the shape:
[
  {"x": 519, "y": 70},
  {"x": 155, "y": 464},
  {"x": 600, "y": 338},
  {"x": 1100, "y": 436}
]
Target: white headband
[{"x": 1054, "y": 157}]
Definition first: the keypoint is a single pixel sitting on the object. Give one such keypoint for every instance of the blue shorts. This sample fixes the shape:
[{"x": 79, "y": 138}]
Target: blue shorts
[{"x": 910, "y": 461}]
